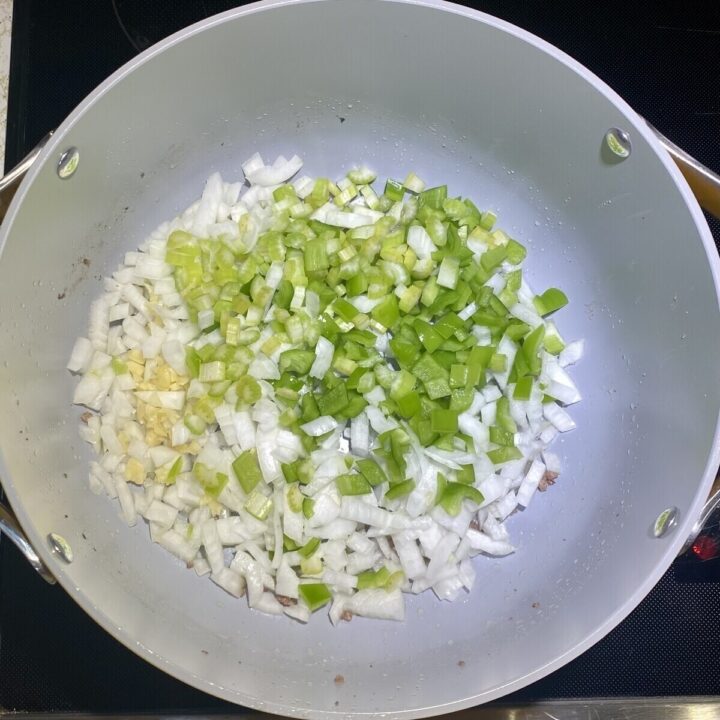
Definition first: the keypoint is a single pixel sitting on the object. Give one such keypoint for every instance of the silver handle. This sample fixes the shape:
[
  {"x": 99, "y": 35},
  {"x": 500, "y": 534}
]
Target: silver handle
[
  {"x": 712, "y": 504},
  {"x": 704, "y": 183},
  {"x": 10, "y": 182},
  {"x": 10, "y": 527}
]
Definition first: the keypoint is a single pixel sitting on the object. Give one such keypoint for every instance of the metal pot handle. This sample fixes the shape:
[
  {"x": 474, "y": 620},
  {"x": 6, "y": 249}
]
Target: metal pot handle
[
  {"x": 704, "y": 183},
  {"x": 708, "y": 511},
  {"x": 10, "y": 527},
  {"x": 10, "y": 182}
]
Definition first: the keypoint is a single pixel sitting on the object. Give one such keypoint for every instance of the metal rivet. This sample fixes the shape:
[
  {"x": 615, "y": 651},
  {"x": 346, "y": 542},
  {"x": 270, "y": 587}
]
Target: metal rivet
[
  {"x": 60, "y": 546},
  {"x": 618, "y": 142},
  {"x": 68, "y": 163},
  {"x": 665, "y": 522}
]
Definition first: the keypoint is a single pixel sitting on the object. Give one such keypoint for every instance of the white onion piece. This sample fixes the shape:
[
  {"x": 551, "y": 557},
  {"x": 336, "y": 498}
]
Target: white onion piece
[
  {"x": 273, "y": 175},
  {"x": 319, "y": 426},
  {"x": 324, "y": 351}
]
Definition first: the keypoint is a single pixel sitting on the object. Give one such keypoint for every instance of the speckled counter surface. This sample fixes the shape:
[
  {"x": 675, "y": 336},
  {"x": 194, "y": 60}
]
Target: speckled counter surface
[{"x": 5, "y": 35}]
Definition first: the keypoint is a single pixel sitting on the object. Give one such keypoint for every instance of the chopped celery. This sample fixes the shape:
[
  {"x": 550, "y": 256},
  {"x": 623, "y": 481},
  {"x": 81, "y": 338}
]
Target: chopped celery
[
  {"x": 294, "y": 498},
  {"x": 119, "y": 367},
  {"x": 248, "y": 390},
  {"x": 247, "y": 470},
  {"x": 195, "y": 424},
  {"x": 490, "y": 259},
  {"x": 311, "y": 566},
  {"x": 344, "y": 365},
  {"x": 316, "y": 258},
  {"x": 430, "y": 292},
  {"x": 515, "y": 252},
  {"x": 175, "y": 470},
  {"x": 212, "y": 482},
  {"x": 433, "y": 197},
  {"x": 362, "y": 176},
  {"x": 356, "y": 285},
  {"x": 258, "y": 505},
  {"x": 320, "y": 192},
  {"x": 212, "y": 372},
  {"x": 192, "y": 360},
  {"x": 487, "y": 220},
  {"x": 394, "y": 190}
]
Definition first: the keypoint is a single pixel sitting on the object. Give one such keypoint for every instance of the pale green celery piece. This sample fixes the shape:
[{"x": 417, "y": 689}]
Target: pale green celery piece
[
  {"x": 311, "y": 566},
  {"x": 370, "y": 196},
  {"x": 362, "y": 176},
  {"x": 410, "y": 298},
  {"x": 258, "y": 505},
  {"x": 212, "y": 371},
  {"x": 295, "y": 498}
]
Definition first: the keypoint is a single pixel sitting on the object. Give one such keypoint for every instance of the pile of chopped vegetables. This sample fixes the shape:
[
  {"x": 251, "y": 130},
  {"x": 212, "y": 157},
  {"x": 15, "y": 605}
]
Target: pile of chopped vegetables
[{"x": 322, "y": 395}]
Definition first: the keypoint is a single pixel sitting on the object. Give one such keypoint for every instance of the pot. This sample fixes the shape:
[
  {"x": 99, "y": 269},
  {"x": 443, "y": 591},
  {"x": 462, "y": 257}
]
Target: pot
[{"x": 502, "y": 117}]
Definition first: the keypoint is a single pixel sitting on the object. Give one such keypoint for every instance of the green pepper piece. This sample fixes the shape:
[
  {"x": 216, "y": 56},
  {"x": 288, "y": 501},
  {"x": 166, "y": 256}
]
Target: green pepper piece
[
  {"x": 352, "y": 485},
  {"x": 444, "y": 421},
  {"x": 333, "y": 401},
  {"x": 400, "y": 490},
  {"x": 504, "y": 454},
  {"x": 314, "y": 595},
  {"x": 371, "y": 471}
]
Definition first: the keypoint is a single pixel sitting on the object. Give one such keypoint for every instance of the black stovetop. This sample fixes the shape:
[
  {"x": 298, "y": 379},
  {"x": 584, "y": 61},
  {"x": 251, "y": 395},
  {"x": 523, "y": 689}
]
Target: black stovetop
[{"x": 663, "y": 61}]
